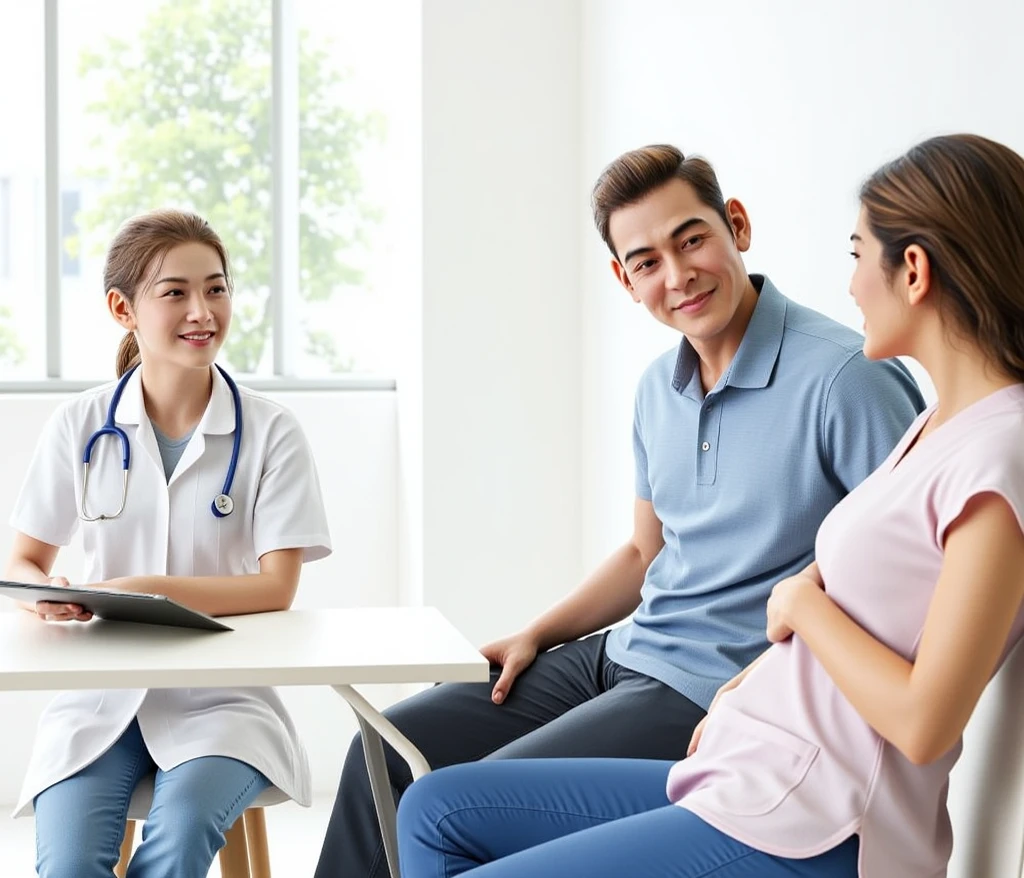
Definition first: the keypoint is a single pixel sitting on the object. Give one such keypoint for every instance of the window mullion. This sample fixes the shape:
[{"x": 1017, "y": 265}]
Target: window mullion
[
  {"x": 51, "y": 190},
  {"x": 284, "y": 116}
]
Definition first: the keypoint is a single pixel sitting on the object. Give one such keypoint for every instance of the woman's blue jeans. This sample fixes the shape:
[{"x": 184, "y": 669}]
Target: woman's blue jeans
[
  {"x": 603, "y": 818},
  {"x": 80, "y": 821}
]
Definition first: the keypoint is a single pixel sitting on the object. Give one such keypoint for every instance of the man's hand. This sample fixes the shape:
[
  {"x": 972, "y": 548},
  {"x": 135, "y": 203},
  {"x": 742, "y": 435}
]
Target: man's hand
[
  {"x": 50, "y": 611},
  {"x": 514, "y": 655}
]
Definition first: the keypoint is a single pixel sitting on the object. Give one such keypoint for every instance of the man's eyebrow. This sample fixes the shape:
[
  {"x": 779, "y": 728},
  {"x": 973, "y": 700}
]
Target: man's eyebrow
[
  {"x": 856, "y": 237},
  {"x": 676, "y": 232},
  {"x": 184, "y": 280}
]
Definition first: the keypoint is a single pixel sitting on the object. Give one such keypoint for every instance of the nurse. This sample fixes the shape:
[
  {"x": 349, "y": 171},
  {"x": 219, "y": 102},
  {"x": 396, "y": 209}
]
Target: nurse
[{"x": 212, "y": 751}]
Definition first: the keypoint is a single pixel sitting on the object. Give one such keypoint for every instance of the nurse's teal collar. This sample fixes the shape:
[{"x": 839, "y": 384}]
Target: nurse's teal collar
[{"x": 758, "y": 352}]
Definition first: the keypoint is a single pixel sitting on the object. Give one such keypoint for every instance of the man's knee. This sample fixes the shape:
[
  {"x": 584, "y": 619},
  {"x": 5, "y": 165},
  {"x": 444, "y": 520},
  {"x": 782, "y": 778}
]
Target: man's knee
[{"x": 355, "y": 761}]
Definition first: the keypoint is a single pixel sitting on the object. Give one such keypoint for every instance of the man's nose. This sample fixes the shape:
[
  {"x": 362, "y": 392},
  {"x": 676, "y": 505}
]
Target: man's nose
[{"x": 678, "y": 273}]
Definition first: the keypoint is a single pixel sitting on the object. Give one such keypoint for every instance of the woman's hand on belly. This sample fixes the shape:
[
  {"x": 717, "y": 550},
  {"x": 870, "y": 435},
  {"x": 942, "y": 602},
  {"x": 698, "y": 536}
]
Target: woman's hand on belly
[{"x": 788, "y": 598}]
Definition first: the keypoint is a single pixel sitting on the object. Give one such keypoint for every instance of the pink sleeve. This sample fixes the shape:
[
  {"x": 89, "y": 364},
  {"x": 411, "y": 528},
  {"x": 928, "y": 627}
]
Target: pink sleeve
[{"x": 995, "y": 467}]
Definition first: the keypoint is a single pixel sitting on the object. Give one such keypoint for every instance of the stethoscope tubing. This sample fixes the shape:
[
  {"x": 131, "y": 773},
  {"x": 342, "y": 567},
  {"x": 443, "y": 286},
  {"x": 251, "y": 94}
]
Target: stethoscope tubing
[{"x": 222, "y": 505}]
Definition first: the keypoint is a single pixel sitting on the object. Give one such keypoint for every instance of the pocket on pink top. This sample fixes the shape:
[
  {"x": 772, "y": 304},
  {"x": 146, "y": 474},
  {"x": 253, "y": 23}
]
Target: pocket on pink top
[{"x": 752, "y": 764}]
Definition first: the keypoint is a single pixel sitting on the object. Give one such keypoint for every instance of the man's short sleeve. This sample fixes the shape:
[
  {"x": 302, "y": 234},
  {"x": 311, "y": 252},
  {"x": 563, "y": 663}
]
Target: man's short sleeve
[{"x": 868, "y": 408}]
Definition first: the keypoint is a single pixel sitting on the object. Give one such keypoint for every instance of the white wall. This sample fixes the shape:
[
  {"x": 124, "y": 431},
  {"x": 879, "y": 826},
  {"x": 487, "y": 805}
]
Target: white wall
[
  {"x": 795, "y": 102},
  {"x": 353, "y": 436},
  {"x": 502, "y": 222}
]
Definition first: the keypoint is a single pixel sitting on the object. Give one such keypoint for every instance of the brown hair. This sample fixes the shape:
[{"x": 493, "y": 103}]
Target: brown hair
[
  {"x": 634, "y": 175},
  {"x": 961, "y": 199},
  {"x": 137, "y": 243}
]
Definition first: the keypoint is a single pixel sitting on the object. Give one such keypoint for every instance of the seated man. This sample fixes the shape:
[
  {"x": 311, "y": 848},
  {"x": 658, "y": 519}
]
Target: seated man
[{"x": 744, "y": 438}]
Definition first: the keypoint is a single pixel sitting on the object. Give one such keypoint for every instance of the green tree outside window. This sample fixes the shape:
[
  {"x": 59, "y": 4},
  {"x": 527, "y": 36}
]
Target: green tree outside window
[{"x": 183, "y": 112}]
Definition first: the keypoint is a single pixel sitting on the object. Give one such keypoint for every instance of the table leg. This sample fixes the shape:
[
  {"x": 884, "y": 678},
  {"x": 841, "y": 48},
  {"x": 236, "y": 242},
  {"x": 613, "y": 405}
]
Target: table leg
[{"x": 376, "y": 728}]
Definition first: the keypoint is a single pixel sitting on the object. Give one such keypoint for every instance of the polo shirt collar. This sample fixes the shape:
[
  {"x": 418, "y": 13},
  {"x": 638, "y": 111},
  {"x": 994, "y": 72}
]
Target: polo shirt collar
[
  {"x": 219, "y": 417},
  {"x": 754, "y": 362}
]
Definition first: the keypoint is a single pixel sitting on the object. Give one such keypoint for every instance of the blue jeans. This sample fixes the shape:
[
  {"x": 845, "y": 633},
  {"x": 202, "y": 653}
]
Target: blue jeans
[
  {"x": 80, "y": 821},
  {"x": 603, "y": 818}
]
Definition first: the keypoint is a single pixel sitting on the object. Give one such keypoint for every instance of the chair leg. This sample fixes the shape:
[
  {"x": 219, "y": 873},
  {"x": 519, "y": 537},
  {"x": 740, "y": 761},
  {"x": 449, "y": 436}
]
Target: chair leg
[
  {"x": 126, "y": 849},
  {"x": 256, "y": 837},
  {"x": 234, "y": 856}
]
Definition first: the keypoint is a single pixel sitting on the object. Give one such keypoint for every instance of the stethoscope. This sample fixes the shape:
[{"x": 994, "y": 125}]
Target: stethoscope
[{"x": 222, "y": 505}]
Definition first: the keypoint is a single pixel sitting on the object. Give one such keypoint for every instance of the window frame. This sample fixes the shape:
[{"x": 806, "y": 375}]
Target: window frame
[{"x": 285, "y": 253}]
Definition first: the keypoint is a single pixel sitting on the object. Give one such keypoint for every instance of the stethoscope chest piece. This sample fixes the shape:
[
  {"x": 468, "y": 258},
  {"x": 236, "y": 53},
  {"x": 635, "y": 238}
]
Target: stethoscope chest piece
[{"x": 223, "y": 505}]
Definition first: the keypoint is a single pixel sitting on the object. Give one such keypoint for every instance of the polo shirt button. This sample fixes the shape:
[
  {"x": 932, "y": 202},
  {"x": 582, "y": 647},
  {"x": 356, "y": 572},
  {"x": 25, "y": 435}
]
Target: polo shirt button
[
  {"x": 706, "y": 446},
  {"x": 709, "y": 406}
]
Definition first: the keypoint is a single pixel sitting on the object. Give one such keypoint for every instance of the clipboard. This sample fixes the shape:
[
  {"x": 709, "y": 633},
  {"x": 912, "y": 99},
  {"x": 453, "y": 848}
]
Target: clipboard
[{"x": 116, "y": 606}]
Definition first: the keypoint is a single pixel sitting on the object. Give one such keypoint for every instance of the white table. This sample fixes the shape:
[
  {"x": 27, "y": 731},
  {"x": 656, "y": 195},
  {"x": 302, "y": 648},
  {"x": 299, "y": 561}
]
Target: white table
[{"x": 331, "y": 647}]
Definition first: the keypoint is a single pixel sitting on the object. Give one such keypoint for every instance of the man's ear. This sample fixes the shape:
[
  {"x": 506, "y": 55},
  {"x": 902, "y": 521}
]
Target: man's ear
[
  {"x": 739, "y": 223},
  {"x": 917, "y": 271},
  {"x": 121, "y": 309},
  {"x": 620, "y": 273}
]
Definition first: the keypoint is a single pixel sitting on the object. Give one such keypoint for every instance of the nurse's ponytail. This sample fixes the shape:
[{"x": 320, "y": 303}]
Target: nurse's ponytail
[
  {"x": 127, "y": 354},
  {"x": 136, "y": 252}
]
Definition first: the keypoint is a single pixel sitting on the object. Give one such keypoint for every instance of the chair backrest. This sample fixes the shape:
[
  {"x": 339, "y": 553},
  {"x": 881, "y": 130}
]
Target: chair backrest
[{"x": 986, "y": 791}]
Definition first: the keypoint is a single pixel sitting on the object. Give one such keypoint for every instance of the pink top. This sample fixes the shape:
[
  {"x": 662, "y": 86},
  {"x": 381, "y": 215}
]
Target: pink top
[{"x": 786, "y": 764}]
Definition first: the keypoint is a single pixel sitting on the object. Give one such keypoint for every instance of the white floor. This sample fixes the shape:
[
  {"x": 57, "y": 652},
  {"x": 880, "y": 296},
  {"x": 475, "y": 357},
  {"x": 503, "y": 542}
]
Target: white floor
[{"x": 294, "y": 835}]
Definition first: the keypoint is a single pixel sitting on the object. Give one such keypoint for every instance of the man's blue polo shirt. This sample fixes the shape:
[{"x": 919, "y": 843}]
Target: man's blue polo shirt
[{"x": 741, "y": 479}]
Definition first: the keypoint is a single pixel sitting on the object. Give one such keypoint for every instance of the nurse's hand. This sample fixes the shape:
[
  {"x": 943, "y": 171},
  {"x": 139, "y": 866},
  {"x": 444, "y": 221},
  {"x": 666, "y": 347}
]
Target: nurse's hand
[
  {"x": 49, "y": 611},
  {"x": 514, "y": 655},
  {"x": 787, "y": 597}
]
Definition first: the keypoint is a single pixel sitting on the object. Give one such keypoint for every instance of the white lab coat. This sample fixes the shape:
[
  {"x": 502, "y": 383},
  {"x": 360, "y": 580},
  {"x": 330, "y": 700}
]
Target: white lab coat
[{"x": 167, "y": 528}]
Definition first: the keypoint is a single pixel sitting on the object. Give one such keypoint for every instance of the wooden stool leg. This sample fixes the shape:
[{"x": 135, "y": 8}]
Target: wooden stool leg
[
  {"x": 126, "y": 849},
  {"x": 234, "y": 856},
  {"x": 256, "y": 837}
]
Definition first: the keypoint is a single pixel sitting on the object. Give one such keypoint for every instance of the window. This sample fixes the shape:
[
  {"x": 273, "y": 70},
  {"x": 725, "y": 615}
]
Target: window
[
  {"x": 367, "y": 85},
  {"x": 22, "y": 297},
  {"x": 265, "y": 116}
]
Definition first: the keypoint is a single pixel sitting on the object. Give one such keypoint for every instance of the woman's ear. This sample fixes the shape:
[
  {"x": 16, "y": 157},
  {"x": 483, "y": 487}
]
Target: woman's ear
[
  {"x": 121, "y": 309},
  {"x": 918, "y": 273}
]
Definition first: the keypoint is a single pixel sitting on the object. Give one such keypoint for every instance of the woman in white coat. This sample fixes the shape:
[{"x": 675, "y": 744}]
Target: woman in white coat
[{"x": 212, "y": 750}]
